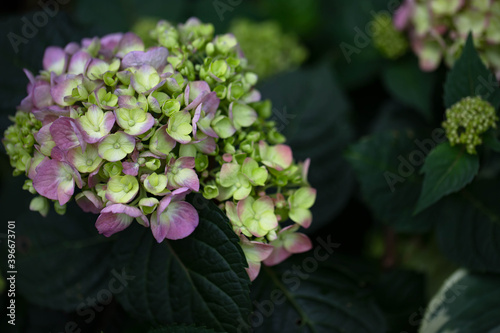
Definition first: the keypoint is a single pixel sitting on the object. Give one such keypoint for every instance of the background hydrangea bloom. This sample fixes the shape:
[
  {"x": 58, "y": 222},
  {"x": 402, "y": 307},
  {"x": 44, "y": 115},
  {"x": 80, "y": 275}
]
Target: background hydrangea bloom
[
  {"x": 438, "y": 30},
  {"x": 268, "y": 48}
]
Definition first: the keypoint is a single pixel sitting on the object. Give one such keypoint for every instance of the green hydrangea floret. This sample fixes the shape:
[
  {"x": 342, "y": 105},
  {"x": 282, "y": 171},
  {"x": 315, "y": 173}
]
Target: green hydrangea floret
[{"x": 467, "y": 120}]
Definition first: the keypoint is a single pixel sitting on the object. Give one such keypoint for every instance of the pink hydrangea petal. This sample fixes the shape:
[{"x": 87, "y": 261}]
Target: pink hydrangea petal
[
  {"x": 27, "y": 102},
  {"x": 72, "y": 48},
  {"x": 278, "y": 157},
  {"x": 210, "y": 103},
  {"x": 206, "y": 146},
  {"x": 93, "y": 179},
  {"x": 255, "y": 251},
  {"x": 244, "y": 208},
  {"x": 155, "y": 56},
  {"x": 54, "y": 60},
  {"x": 176, "y": 222},
  {"x": 162, "y": 140},
  {"x": 43, "y": 136},
  {"x": 305, "y": 169},
  {"x": 58, "y": 154},
  {"x": 41, "y": 95},
  {"x": 109, "y": 223},
  {"x": 55, "y": 180},
  {"x": 253, "y": 96},
  {"x": 187, "y": 178},
  {"x": 79, "y": 62},
  {"x": 185, "y": 162},
  {"x": 205, "y": 126},
  {"x": 49, "y": 114},
  {"x": 403, "y": 14},
  {"x": 66, "y": 134},
  {"x": 64, "y": 86},
  {"x": 35, "y": 162},
  {"x": 127, "y": 102},
  {"x": 89, "y": 202},
  {"x": 301, "y": 216},
  {"x": 128, "y": 43},
  {"x": 194, "y": 93},
  {"x": 29, "y": 75},
  {"x": 196, "y": 117},
  {"x": 110, "y": 42},
  {"x": 94, "y": 137},
  {"x": 130, "y": 168},
  {"x": 253, "y": 270},
  {"x": 117, "y": 217},
  {"x": 278, "y": 255},
  {"x": 297, "y": 242}
]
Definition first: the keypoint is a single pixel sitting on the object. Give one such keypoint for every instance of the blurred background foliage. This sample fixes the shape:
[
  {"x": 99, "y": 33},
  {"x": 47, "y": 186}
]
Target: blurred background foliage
[{"x": 323, "y": 102}]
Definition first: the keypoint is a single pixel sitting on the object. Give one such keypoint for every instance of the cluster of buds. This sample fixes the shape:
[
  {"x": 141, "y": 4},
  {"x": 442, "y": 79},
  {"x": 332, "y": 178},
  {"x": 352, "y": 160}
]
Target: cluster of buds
[
  {"x": 129, "y": 131},
  {"x": 467, "y": 120},
  {"x": 438, "y": 29},
  {"x": 389, "y": 41},
  {"x": 269, "y": 50},
  {"x": 20, "y": 139}
]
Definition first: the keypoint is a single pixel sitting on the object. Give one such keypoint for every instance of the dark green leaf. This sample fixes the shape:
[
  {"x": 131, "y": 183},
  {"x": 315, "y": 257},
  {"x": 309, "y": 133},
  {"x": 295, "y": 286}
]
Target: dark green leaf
[
  {"x": 307, "y": 295},
  {"x": 410, "y": 85},
  {"x": 61, "y": 260},
  {"x": 447, "y": 169},
  {"x": 182, "y": 329},
  {"x": 400, "y": 293},
  {"x": 197, "y": 280},
  {"x": 467, "y": 303},
  {"x": 386, "y": 167},
  {"x": 468, "y": 226},
  {"x": 470, "y": 77},
  {"x": 312, "y": 113},
  {"x": 490, "y": 140}
]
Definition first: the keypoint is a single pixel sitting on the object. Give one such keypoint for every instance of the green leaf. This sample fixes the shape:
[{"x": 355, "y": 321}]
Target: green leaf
[
  {"x": 60, "y": 260},
  {"x": 447, "y": 170},
  {"x": 410, "y": 85},
  {"x": 470, "y": 77},
  {"x": 305, "y": 294},
  {"x": 386, "y": 167},
  {"x": 312, "y": 112},
  {"x": 491, "y": 141},
  {"x": 468, "y": 226},
  {"x": 197, "y": 280},
  {"x": 400, "y": 293},
  {"x": 182, "y": 329},
  {"x": 466, "y": 303}
]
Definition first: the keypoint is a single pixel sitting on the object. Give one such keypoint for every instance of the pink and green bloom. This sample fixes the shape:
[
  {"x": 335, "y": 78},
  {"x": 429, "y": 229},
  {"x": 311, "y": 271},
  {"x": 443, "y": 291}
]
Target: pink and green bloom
[
  {"x": 438, "y": 29},
  {"x": 129, "y": 131},
  {"x": 116, "y": 146},
  {"x": 122, "y": 189}
]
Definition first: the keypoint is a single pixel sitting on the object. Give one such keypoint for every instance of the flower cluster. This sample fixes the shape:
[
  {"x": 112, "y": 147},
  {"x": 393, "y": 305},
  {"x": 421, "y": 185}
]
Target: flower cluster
[
  {"x": 387, "y": 39},
  {"x": 467, "y": 120},
  {"x": 129, "y": 131},
  {"x": 438, "y": 29},
  {"x": 269, "y": 50}
]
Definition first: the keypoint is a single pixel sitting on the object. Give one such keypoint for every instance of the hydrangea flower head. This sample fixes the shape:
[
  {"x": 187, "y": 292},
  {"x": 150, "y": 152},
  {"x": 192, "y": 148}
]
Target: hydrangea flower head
[
  {"x": 387, "y": 39},
  {"x": 129, "y": 130},
  {"x": 438, "y": 29},
  {"x": 467, "y": 120},
  {"x": 268, "y": 48}
]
